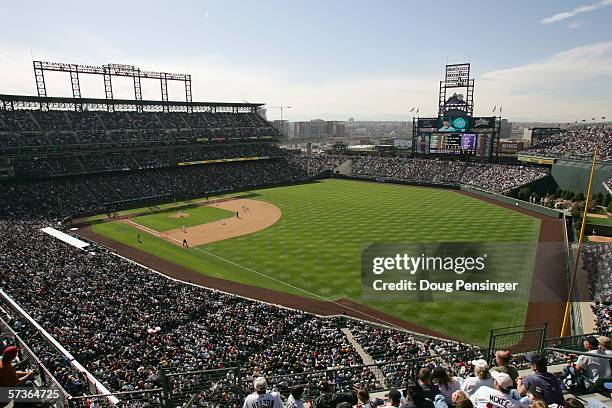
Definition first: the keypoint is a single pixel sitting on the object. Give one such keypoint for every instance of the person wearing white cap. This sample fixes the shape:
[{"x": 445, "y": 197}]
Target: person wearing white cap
[
  {"x": 261, "y": 398},
  {"x": 497, "y": 396},
  {"x": 481, "y": 378}
]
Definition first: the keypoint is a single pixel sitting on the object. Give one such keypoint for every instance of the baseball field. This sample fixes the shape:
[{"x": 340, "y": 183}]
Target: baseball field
[{"x": 306, "y": 240}]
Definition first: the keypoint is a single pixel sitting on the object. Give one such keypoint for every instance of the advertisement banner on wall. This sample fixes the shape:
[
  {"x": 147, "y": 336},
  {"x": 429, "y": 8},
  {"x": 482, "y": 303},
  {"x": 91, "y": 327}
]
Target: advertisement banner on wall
[
  {"x": 430, "y": 123},
  {"x": 483, "y": 122}
]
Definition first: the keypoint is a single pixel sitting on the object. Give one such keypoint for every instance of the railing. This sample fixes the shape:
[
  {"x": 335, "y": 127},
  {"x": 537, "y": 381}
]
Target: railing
[
  {"x": 95, "y": 386},
  {"x": 571, "y": 342},
  {"x": 219, "y": 387},
  {"x": 152, "y": 398},
  {"x": 377, "y": 377},
  {"x": 46, "y": 378}
]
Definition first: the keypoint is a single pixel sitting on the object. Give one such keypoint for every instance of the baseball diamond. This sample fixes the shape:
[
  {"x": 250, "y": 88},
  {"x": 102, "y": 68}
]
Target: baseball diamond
[{"x": 313, "y": 249}]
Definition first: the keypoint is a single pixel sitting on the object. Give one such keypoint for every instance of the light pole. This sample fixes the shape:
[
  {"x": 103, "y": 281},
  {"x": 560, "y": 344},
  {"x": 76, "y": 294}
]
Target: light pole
[{"x": 281, "y": 109}]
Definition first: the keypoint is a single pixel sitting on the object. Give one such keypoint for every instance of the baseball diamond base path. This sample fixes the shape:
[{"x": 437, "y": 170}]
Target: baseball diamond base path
[
  {"x": 254, "y": 216},
  {"x": 551, "y": 230}
]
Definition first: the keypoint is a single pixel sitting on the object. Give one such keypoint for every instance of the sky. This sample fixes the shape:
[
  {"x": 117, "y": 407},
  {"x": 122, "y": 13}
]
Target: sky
[{"x": 548, "y": 60}]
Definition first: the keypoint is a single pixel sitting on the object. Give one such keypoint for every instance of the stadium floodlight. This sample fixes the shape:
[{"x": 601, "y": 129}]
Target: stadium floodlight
[{"x": 281, "y": 109}]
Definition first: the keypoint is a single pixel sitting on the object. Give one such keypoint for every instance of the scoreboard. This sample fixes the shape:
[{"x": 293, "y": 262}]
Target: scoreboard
[{"x": 453, "y": 143}]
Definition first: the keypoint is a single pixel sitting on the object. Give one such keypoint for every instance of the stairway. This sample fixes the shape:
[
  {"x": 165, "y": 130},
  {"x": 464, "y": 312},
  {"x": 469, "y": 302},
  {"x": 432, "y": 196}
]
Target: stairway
[
  {"x": 345, "y": 167},
  {"x": 367, "y": 359}
]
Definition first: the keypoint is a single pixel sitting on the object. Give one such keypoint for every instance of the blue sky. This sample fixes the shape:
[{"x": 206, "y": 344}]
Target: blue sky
[{"x": 542, "y": 60}]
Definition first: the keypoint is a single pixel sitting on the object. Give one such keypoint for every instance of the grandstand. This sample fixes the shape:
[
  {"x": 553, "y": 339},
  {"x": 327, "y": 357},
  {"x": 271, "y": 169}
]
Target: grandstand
[{"x": 575, "y": 143}]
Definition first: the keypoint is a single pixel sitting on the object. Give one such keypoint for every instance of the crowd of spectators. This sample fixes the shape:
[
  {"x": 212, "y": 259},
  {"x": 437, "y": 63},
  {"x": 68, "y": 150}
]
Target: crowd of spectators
[
  {"x": 603, "y": 316},
  {"x": 50, "y": 143},
  {"x": 608, "y": 185},
  {"x": 316, "y": 164},
  {"x": 575, "y": 143},
  {"x": 131, "y": 159},
  {"x": 488, "y": 176},
  {"x": 66, "y": 196},
  {"x": 124, "y": 335},
  {"x": 384, "y": 345},
  {"x": 597, "y": 262},
  {"x": 38, "y": 120}
]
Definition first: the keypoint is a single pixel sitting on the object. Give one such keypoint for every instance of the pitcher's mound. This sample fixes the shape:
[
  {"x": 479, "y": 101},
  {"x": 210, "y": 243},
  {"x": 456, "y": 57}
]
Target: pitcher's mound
[{"x": 179, "y": 215}]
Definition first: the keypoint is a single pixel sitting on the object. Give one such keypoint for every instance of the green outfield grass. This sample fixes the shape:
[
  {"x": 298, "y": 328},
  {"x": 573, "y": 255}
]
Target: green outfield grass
[
  {"x": 314, "y": 250},
  {"x": 197, "y": 215}
]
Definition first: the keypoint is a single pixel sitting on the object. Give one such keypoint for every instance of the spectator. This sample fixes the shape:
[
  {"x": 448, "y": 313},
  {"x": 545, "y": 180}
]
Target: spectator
[
  {"x": 395, "y": 398},
  {"x": 447, "y": 385},
  {"x": 295, "y": 398},
  {"x": 481, "y": 378},
  {"x": 329, "y": 399},
  {"x": 502, "y": 359},
  {"x": 497, "y": 396},
  {"x": 541, "y": 378},
  {"x": 261, "y": 397},
  {"x": 363, "y": 399},
  {"x": 591, "y": 366},
  {"x": 9, "y": 376},
  {"x": 534, "y": 394},
  {"x": 572, "y": 403},
  {"x": 415, "y": 397},
  {"x": 430, "y": 390}
]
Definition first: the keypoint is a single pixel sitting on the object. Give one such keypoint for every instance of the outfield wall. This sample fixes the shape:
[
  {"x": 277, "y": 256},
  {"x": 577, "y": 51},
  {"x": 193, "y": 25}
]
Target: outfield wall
[
  {"x": 573, "y": 175},
  {"x": 549, "y": 212},
  {"x": 598, "y": 229},
  {"x": 449, "y": 186}
]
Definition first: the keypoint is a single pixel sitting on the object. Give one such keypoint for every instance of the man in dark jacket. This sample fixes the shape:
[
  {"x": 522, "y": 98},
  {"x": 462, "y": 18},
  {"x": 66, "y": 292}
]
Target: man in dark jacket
[{"x": 330, "y": 399}]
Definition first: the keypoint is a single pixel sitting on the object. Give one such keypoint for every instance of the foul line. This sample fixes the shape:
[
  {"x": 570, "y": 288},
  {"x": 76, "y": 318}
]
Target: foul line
[{"x": 393, "y": 325}]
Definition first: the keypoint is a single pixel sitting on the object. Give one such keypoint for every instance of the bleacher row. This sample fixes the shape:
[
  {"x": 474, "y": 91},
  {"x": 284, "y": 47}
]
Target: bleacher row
[
  {"x": 37, "y": 120},
  {"x": 135, "y": 159},
  {"x": 575, "y": 143}
]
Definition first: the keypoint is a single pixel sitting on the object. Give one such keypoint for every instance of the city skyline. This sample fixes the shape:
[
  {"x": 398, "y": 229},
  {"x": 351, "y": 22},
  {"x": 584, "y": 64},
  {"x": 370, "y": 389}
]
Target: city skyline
[{"x": 544, "y": 61}]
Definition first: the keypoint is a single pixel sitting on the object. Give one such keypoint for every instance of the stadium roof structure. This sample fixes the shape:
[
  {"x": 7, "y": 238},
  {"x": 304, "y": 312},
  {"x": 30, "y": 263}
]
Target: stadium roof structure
[{"x": 12, "y": 102}]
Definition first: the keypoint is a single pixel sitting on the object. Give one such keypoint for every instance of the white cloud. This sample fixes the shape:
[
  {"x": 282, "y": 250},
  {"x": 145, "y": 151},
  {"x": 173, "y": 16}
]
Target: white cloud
[
  {"x": 555, "y": 87},
  {"x": 578, "y": 10},
  {"x": 575, "y": 24},
  {"x": 215, "y": 80},
  {"x": 559, "y": 86}
]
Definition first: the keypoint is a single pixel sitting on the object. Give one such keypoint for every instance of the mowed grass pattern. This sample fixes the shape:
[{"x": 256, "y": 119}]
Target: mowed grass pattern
[
  {"x": 315, "y": 248},
  {"x": 196, "y": 215}
]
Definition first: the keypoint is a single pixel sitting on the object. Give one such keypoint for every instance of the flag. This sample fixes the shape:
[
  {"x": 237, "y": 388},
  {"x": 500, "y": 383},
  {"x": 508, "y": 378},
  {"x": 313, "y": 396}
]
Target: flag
[
  {"x": 418, "y": 109},
  {"x": 494, "y": 108},
  {"x": 500, "y": 108},
  {"x": 412, "y": 110}
]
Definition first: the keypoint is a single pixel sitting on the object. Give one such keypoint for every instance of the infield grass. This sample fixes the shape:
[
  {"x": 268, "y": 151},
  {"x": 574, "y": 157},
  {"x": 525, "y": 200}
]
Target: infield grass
[
  {"x": 315, "y": 248},
  {"x": 167, "y": 219}
]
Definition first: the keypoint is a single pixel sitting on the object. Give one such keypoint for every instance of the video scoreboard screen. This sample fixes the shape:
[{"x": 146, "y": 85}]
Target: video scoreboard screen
[{"x": 453, "y": 143}]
